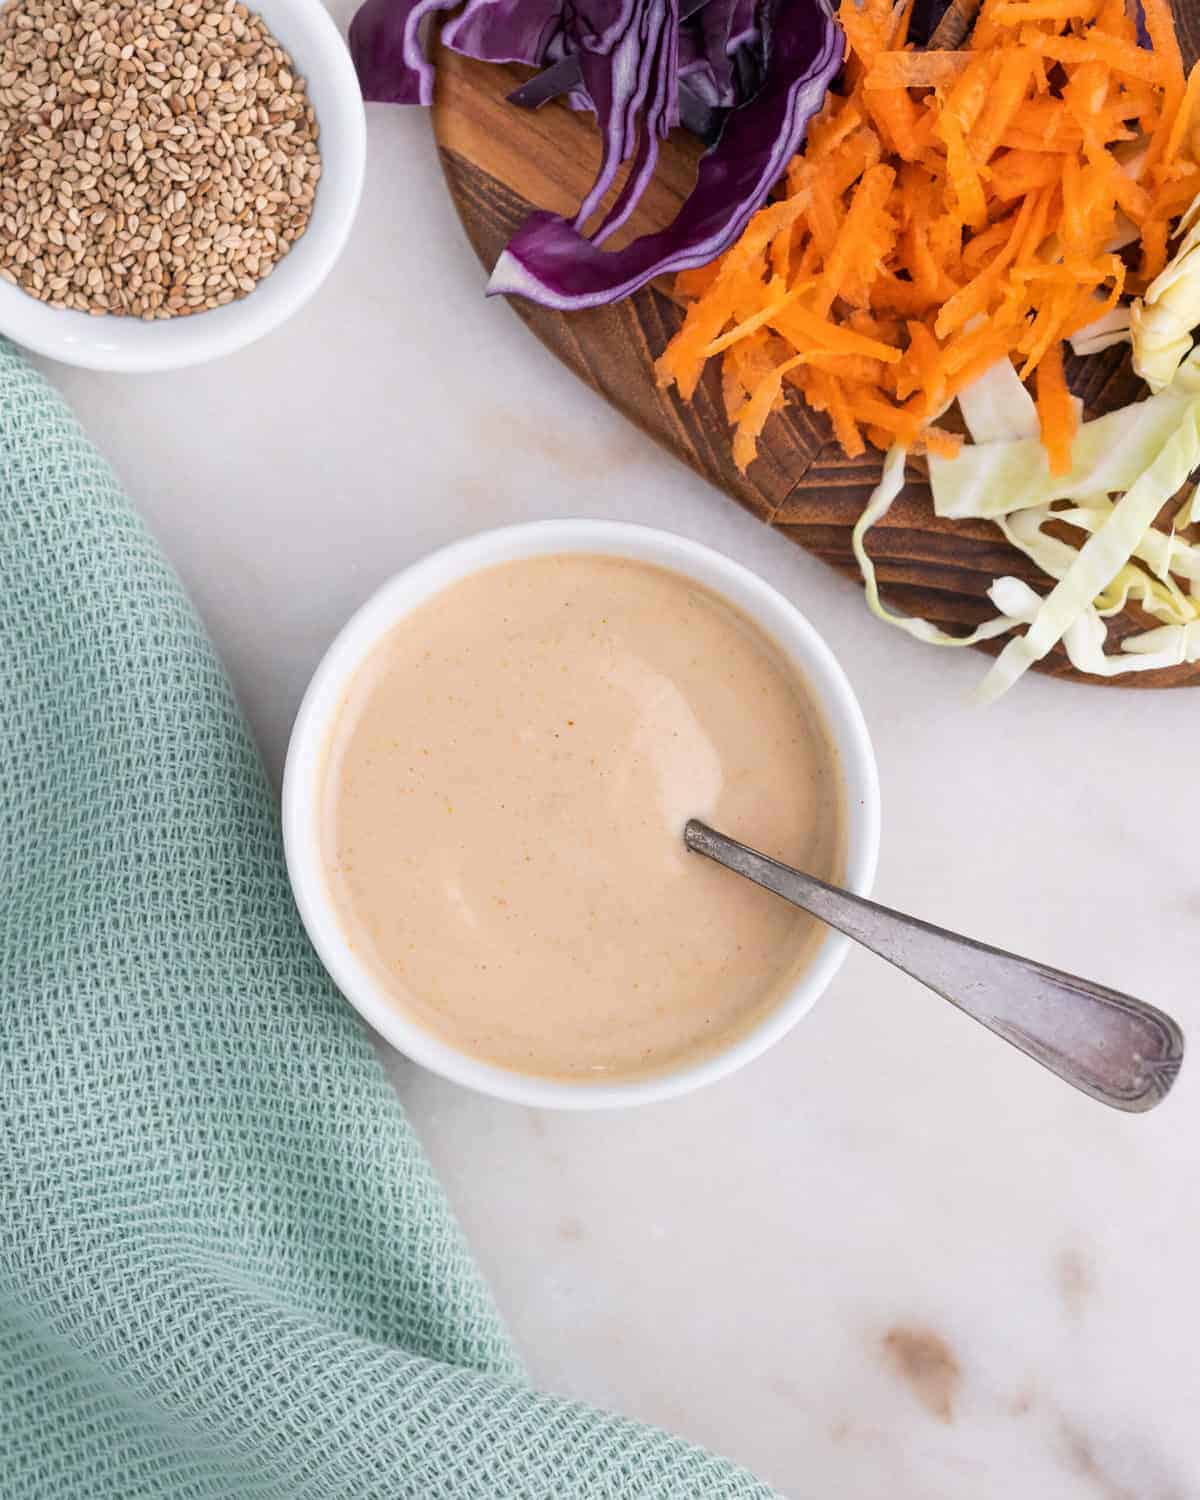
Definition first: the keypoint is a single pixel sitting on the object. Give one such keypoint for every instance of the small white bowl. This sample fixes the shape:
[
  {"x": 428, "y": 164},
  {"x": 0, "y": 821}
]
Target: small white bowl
[
  {"x": 305, "y": 766},
  {"x": 124, "y": 344}
]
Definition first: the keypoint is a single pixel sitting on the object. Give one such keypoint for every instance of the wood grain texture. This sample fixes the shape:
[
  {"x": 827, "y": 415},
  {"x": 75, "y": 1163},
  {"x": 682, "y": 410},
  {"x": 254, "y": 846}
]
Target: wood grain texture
[{"x": 501, "y": 161}]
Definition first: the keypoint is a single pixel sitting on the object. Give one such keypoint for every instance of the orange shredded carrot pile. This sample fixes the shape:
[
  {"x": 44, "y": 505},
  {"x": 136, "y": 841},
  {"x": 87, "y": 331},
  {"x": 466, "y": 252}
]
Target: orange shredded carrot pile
[{"x": 950, "y": 209}]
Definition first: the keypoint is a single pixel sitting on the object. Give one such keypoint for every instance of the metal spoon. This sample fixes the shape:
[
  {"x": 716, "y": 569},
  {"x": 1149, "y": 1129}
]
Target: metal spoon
[{"x": 1115, "y": 1048}]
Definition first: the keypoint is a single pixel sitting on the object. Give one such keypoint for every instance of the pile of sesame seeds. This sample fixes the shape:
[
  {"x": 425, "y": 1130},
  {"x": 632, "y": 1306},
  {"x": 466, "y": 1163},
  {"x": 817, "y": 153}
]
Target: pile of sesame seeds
[{"x": 156, "y": 159}]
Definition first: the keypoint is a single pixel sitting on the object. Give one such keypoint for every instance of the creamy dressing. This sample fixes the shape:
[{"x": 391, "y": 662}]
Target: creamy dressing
[{"x": 503, "y": 802}]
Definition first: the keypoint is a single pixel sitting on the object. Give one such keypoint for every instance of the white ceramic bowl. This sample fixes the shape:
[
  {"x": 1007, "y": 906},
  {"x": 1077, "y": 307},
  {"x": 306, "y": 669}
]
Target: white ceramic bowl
[
  {"x": 305, "y": 764},
  {"x": 129, "y": 344}
]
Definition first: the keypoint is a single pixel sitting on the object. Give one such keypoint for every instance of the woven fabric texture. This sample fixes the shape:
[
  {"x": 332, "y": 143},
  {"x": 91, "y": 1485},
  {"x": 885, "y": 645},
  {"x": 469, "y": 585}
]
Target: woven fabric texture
[{"x": 225, "y": 1267}]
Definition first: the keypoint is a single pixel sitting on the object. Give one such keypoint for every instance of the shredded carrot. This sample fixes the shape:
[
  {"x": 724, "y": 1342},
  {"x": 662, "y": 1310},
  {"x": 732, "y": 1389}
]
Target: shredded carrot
[
  {"x": 924, "y": 360},
  {"x": 733, "y": 394},
  {"x": 868, "y": 31},
  {"x": 1047, "y": 119},
  {"x": 967, "y": 350},
  {"x": 1013, "y": 74},
  {"x": 1015, "y": 174},
  {"x": 973, "y": 299},
  {"x": 753, "y": 322},
  {"x": 1017, "y": 12},
  {"x": 1116, "y": 18},
  {"x": 806, "y": 330},
  {"x": 836, "y": 403},
  {"x": 916, "y": 70},
  {"x": 694, "y": 283},
  {"x": 1016, "y": 139},
  {"x": 985, "y": 35},
  {"x": 1130, "y": 62},
  {"x": 1087, "y": 309},
  {"x": 982, "y": 247},
  {"x": 1183, "y": 117},
  {"x": 937, "y": 440},
  {"x": 837, "y": 119},
  {"x": 1175, "y": 195},
  {"x": 825, "y": 215},
  {"x": 946, "y": 240},
  {"x": 965, "y": 185},
  {"x": 1076, "y": 232},
  {"x": 1056, "y": 411},
  {"x": 949, "y": 210},
  {"x": 856, "y": 367},
  {"x": 966, "y": 99},
  {"x": 1046, "y": 328},
  {"x": 753, "y": 416},
  {"x": 868, "y": 407},
  {"x": 1154, "y": 249},
  {"x": 898, "y": 119},
  {"x": 864, "y": 227},
  {"x": 901, "y": 16},
  {"x": 1161, "y": 26},
  {"x": 990, "y": 351}
]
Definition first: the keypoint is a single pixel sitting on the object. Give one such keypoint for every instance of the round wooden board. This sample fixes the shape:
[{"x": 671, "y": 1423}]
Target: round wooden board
[{"x": 501, "y": 161}]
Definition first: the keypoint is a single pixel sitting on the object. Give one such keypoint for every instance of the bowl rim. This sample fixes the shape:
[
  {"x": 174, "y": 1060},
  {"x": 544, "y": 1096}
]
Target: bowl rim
[
  {"x": 180, "y": 343},
  {"x": 411, "y": 587}
]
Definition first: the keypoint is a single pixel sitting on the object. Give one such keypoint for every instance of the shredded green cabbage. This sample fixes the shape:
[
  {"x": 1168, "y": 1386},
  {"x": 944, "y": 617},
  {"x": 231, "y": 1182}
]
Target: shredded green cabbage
[
  {"x": 890, "y": 484},
  {"x": 991, "y": 479},
  {"x": 1167, "y": 646},
  {"x": 1162, "y": 321},
  {"x": 1125, "y": 467},
  {"x": 1110, "y": 328},
  {"x": 1102, "y": 556},
  {"x": 997, "y": 406}
]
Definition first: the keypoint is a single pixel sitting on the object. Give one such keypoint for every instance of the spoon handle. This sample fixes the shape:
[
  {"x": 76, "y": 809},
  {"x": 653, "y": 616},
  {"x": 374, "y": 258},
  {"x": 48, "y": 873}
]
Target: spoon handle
[{"x": 1119, "y": 1050}]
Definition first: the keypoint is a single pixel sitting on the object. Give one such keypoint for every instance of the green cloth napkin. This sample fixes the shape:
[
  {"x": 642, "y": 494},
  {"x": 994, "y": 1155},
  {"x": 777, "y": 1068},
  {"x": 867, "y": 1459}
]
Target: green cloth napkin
[{"x": 225, "y": 1266}]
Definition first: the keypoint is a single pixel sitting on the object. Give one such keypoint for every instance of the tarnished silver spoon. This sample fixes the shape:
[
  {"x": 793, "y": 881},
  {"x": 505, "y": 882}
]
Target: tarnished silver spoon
[{"x": 1115, "y": 1048}]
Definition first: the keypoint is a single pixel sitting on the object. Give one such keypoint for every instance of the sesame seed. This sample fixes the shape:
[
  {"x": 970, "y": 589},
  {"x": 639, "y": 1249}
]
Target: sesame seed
[{"x": 161, "y": 156}]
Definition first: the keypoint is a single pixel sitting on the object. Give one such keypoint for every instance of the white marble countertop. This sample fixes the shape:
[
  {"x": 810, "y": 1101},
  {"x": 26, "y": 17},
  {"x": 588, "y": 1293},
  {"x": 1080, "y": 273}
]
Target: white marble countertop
[{"x": 892, "y": 1259}]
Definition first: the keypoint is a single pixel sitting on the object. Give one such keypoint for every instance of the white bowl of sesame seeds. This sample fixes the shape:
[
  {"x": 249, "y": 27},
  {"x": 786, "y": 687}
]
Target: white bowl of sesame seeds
[{"x": 177, "y": 177}]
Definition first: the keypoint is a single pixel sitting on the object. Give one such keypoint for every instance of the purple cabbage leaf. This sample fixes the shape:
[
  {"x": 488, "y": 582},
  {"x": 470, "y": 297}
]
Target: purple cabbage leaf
[
  {"x": 388, "y": 48},
  {"x": 744, "y": 75}
]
